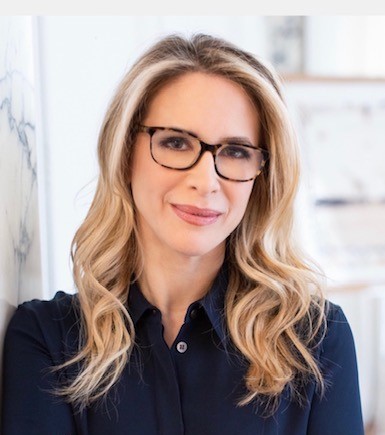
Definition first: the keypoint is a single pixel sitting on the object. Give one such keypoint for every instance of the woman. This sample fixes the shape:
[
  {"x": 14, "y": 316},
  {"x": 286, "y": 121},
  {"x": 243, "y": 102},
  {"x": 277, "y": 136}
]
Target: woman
[{"x": 194, "y": 314}]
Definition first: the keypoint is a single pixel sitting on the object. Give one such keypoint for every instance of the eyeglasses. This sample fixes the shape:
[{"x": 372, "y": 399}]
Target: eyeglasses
[{"x": 178, "y": 149}]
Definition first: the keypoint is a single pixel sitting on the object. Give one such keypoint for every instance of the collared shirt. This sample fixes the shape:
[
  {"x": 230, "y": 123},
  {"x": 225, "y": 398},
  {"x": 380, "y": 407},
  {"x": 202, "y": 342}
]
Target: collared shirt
[{"x": 191, "y": 388}]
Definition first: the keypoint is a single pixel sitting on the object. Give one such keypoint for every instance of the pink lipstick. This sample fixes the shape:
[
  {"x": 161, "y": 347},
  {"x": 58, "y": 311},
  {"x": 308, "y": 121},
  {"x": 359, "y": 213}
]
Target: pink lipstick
[{"x": 195, "y": 215}]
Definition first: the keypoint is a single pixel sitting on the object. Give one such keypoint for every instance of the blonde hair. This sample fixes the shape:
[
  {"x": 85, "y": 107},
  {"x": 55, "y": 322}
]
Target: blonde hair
[{"x": 274, "y": 307}]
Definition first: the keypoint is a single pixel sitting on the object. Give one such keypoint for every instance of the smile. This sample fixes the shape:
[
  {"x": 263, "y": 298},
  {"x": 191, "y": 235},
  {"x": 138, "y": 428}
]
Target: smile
[{"x": 195, "y": 215}]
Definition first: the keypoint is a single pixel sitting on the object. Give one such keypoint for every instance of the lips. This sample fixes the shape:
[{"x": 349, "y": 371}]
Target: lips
[{"x": 195, "y": 215}]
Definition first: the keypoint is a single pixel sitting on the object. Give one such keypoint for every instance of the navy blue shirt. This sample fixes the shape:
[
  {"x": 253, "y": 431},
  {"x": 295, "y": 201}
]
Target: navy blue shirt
[{"x": 188, "y": 389}]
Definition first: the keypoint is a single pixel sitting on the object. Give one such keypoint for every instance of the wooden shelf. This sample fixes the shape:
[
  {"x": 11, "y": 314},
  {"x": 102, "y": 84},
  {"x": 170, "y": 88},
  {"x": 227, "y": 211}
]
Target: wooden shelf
[{"x": 355, "y": 286}]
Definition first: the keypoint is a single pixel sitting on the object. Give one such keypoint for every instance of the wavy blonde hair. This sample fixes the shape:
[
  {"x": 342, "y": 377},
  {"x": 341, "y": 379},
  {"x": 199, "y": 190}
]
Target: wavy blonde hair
[{"x": 274, "y": 304}]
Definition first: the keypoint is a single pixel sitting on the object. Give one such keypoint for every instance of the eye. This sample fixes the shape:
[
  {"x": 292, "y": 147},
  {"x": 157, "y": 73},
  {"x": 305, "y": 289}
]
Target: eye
[
  {"x": 175, "y": 143},
  {"x": 238, "y": 152}
]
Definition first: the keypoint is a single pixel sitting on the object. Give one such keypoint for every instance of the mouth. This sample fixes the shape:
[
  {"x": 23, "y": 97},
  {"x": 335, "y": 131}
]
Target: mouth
[{"x": 195, "y": 215}]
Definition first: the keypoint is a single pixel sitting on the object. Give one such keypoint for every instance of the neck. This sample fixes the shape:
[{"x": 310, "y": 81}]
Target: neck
[{"x": 172, "y": 282}]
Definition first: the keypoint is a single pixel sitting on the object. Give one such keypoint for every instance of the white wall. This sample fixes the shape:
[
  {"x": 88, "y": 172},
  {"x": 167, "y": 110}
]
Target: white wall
[
  {"x": 345, "y": 45},
  {"x": 20, "y": 266}
]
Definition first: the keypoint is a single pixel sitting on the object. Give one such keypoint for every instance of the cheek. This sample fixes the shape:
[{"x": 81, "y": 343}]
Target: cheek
[
  {"x": 240, "y": 199},
  {"x": 152, "y": 186},
  {"x": 146, "y": 175}
]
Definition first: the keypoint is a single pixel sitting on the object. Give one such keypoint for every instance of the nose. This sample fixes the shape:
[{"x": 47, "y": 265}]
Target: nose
[{"x": 202, "y": 176}]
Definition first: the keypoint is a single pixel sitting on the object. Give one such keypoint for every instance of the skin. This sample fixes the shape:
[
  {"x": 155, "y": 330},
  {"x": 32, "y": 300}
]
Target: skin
[{"x": 178, "y": 253}]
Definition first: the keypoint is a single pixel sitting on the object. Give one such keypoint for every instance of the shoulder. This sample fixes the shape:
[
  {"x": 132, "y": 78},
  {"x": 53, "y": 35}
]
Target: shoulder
[
  {"x": 337, "y": 348},
  {"x": 61, "y": 307},
  {"x": 337, "y": 408},
  {"x": 332, "y": 319},
  {"x": 336, "y": 322},
  {"x": 334, "y": 312},
  {"x": 60, "y": 300},
  {"x": 52, "y": 324}
]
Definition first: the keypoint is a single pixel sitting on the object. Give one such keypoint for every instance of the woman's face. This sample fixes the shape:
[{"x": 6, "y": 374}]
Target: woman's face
[{"x": 168, "y": 202}]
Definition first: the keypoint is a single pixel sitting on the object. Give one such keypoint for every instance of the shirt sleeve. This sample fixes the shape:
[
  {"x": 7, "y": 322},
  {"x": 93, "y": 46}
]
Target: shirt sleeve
[
  {"x": 29, "y": 407},
  {"x": 338, "y": 412}
]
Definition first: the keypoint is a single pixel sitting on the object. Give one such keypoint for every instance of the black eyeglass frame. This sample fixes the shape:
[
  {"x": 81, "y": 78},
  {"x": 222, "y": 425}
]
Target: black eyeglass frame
[{"x": 212, "y": 148}]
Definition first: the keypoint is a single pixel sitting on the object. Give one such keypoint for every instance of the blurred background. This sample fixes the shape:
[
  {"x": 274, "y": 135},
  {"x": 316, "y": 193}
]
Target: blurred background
[{"x": 57, "y": 75}]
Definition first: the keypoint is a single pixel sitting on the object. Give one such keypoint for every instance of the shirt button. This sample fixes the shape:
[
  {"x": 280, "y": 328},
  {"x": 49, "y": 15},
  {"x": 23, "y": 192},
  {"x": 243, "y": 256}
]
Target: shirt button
[
  {"x": 194, "y": 313},
  {"x": 181, "y": 347},
  {"x": 154, "y": 311}
]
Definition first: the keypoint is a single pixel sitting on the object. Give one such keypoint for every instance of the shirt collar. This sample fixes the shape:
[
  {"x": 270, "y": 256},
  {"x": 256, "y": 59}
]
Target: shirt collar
[
  {"x": 212, "y": 302},
  {"x": 137, "y": 303}
]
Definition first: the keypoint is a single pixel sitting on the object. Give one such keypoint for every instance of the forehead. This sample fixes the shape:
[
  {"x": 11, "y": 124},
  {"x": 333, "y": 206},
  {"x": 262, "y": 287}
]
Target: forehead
[{"x": 206, "y": 104}]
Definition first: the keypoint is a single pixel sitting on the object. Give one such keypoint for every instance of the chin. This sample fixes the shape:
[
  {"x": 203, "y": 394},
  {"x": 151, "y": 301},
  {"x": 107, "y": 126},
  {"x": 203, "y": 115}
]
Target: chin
[{"x": 198, "y": 249}]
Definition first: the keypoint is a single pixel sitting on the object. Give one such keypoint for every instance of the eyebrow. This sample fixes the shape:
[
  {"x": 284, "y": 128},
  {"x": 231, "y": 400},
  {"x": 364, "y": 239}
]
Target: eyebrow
[
  {"x": 238, "y": 139},
  {"x": 231, "y": 139}
]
